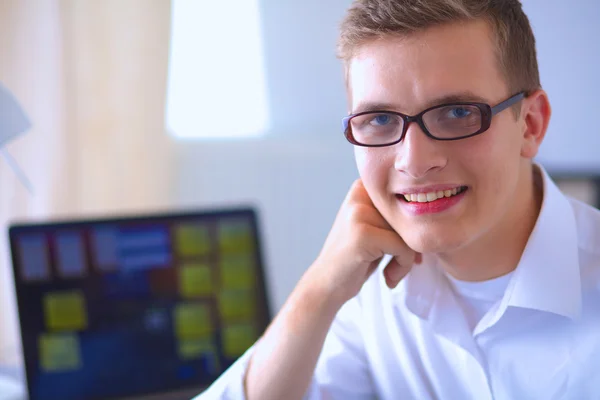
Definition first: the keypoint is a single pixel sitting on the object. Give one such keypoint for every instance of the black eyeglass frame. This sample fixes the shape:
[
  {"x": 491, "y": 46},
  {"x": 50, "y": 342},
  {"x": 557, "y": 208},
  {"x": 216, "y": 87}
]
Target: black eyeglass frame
[{"x": 487, "y": 112}]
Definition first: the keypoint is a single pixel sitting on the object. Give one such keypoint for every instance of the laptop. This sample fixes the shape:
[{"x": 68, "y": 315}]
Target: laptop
[{"x": 137, "y": 307}]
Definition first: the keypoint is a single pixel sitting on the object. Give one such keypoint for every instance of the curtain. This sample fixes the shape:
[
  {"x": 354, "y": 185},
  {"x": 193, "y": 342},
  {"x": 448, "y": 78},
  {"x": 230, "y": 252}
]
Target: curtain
[{"x": 91, "y": 75}]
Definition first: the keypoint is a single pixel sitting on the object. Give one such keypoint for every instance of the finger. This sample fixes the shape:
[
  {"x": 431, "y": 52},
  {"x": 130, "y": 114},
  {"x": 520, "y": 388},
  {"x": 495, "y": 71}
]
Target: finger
[
  {"x": 389, "y": 242},
  {"x": 358, "y": 193},
  {"x": 359, "y": 199},
  {"x": 376, "y": 219},
  {"x": 394, "y": 272},
  {"x": 362, "y": 214},
  {"x": 418, "y": 258}
]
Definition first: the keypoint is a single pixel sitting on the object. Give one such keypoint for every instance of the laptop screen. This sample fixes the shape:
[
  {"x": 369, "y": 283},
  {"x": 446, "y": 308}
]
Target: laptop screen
[{"x": 112, "y": 308}]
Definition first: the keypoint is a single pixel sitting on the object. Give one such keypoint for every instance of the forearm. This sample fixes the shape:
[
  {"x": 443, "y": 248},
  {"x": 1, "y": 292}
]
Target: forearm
[{"x": 285, "y": 358}]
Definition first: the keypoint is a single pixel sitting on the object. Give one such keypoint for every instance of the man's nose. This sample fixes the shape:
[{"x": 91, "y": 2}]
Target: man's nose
[{"x": 418, "y": 154}]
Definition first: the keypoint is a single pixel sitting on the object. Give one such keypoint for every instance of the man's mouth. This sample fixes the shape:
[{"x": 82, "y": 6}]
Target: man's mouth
[{"x": 431, "y": 196}]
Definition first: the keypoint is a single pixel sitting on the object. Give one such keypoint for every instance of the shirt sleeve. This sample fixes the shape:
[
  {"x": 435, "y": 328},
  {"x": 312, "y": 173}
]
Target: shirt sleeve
[
  {"x": 230, "y": 385},
  {"x": 342, "y": 370}
]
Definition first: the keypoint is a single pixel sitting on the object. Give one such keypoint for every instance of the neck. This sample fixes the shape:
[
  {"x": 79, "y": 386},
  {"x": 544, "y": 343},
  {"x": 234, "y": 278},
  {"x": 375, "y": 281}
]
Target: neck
[{"x": 500, "y": 249}]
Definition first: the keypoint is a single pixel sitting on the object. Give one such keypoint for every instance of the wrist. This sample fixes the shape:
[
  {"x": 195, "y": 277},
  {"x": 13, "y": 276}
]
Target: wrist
[{"x": 319, "y": 294}]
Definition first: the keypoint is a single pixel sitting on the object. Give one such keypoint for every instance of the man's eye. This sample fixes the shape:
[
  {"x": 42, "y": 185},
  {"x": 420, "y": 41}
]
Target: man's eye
[
  {"x": 381, "y": 119},
  {"x": 458, "y": 112}
]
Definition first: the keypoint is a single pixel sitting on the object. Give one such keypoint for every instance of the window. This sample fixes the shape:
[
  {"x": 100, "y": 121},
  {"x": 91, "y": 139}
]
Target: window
[{"x": 216, "y": 84}]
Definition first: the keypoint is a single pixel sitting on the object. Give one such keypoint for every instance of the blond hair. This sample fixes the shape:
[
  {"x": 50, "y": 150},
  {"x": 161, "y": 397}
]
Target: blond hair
[{"x": 368, "y": 20}]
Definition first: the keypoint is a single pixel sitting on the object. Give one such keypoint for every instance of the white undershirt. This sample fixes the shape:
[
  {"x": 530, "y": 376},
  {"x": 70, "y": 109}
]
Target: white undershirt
[{"x": 476, "y": 298}]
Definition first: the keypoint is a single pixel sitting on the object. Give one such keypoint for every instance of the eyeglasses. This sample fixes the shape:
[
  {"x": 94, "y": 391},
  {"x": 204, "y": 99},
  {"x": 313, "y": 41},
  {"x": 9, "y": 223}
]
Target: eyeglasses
[{"x": 443, "y": 122}]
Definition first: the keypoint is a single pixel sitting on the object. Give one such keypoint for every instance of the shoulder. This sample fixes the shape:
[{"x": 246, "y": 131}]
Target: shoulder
[{"x": 587, "y": 219}]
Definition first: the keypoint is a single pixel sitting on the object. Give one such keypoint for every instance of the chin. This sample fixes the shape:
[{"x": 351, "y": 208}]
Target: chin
[{"x": 431, "y": 240}]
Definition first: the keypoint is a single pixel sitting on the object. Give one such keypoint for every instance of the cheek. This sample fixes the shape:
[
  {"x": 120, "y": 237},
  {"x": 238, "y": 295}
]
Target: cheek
[
  {"x": 361, "y": 159},
  {"x": 493, "y": 161},
  {"x": 374, "y": 166},
  {"x": 491, "y": 152}
]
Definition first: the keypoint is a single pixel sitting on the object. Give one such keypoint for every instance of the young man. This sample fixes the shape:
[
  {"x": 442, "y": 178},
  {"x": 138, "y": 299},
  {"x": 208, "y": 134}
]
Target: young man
[{"x": 455, "y": 268}]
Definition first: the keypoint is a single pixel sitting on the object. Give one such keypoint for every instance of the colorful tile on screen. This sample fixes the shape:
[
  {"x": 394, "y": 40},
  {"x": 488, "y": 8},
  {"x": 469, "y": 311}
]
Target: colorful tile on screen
[
  {"x": 144, "y": 248},
  {"x": 238, "y": 338},
  {"x": 70, "y": 255},
  {"x": 65, "y": 310},
  {"x": 195, "y": 280},
  {"x": 33, "y": 251},
  {"x": 104, "y": 245},
  {"x": 236, "y": 305},
  {"x": 192, "y": 321},
  {"x": 237, "y": 271},
  {"x": 192, "y": 240},
  {"x": 201, "y": 349},
  {"x": 59, "y": 352},
  {"x": 235, "y": 236},
  {"x": 191, "y": 349}
]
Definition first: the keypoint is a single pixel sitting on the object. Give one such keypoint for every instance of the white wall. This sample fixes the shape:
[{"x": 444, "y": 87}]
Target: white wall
[
  {"x": 299, "y": 174},
  {"x": 567, "y": 35},
  {"x": 306, "y": 91}
]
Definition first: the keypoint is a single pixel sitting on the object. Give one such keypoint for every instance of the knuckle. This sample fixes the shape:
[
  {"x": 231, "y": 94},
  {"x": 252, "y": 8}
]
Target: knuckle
[
  {"x": 353, "y": 213},
  {"x": 361, "y": 231},
  {"x": 356, "y": 212},
  {"x": 357, "y": 184},
  {"x": 356, "y": 189}
]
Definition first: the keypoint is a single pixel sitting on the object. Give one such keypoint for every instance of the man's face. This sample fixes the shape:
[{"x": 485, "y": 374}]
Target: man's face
[{"x": 413, "y": 73}]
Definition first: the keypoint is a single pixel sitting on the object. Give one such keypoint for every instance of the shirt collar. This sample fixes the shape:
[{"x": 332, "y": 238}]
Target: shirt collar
[
  {"x": 547, "y": 277},
  {"x": 421, "y": 286}
]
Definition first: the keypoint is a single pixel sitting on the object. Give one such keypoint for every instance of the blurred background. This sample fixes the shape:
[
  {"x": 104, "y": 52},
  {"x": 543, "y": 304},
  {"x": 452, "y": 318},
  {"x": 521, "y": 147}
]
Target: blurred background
[{"x": 149, "y": 106}]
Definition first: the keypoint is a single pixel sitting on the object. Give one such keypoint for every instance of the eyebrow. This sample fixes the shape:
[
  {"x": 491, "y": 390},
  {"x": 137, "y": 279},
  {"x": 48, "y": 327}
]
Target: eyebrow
[{"x": 450, "y": 98}]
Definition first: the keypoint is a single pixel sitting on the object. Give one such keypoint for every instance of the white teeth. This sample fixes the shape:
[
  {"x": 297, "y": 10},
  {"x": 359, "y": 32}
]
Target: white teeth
[{"x": 431, "y": 196}]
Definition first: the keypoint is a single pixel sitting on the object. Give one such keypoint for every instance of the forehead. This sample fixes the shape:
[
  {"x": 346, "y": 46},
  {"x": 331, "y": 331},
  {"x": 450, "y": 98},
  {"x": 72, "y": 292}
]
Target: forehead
[{"x": 412, "y": 71}]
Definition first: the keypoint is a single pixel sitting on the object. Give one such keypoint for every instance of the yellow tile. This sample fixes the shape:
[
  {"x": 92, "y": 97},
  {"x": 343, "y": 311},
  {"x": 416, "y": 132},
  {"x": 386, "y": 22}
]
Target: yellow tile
[
  {"x": 192, "y": 321},
  {"x": 65, "y": 310},
  {"x": 237, "y": 339},
  {"x": 59, "y": 352},
  {"x": 192, "y": 240},
  {"x": 235, "y": 305},
  {"x": 194, "y": 348},
  {"x": 195, "y": 280},
  {"x": 235, "y": 236},
  {"x": 237, "y": 271}
]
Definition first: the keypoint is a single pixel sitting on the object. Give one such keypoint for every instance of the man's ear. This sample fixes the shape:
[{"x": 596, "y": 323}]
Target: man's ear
[{"x": 535, "y": 113}]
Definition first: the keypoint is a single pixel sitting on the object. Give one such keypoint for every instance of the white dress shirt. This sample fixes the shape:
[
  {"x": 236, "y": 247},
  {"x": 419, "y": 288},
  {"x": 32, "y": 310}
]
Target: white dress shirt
[
  {"x": 539, "y": 340},
  {"x": 476, "y": 298}
]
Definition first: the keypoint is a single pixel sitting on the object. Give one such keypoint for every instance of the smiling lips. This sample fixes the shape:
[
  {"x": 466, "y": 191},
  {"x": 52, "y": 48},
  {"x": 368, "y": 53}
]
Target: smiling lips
[
  {"x": 431, "y": 201},
  {"x": 427, "y": 197}
]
